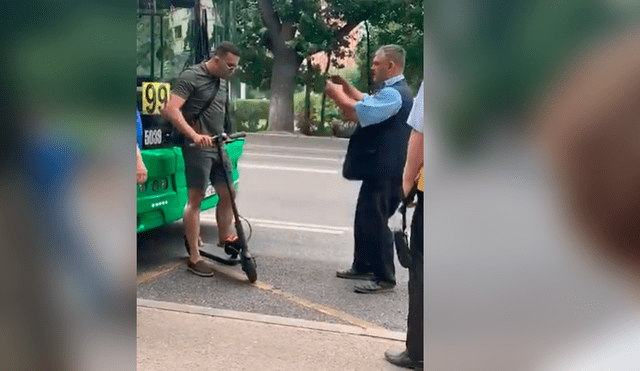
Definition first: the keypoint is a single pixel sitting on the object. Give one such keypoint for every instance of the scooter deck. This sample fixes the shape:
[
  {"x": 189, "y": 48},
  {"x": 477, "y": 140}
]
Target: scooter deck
[{"x": 216, "y": 253}]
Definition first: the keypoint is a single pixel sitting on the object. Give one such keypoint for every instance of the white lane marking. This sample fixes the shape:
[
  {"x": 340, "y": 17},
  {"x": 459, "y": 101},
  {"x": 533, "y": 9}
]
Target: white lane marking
[
  {"x": 266, "y": 167},
  {"x": 288, "y": 225},
  {"x": 299, "y": 224},
  {"x": 289, "y": 156},
  {"x": 288, "y": 134},
  {"x": 343, "y": 151}
]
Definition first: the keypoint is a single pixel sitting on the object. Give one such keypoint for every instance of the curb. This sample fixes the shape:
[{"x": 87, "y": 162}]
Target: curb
[{"x": 272, "y": 320}]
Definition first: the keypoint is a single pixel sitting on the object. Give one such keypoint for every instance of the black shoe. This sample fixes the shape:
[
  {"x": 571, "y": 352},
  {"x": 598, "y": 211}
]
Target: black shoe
[
  {"x": 374, "y": 287},
  {"x": 353, "y": 274},
  {"x": 402, "y": 359}
]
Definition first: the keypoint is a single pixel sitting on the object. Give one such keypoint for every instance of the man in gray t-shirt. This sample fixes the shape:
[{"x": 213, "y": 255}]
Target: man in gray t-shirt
[
  {"x": 189, "y": 98},
  {"x": 196, "y": 85}
]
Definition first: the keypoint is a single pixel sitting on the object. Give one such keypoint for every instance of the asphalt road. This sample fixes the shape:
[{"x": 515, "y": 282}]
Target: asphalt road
[{"x": 301, "y": 212}]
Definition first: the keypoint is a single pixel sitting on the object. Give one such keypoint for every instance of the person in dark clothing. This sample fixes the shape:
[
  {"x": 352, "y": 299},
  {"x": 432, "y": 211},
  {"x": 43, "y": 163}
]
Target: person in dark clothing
[
  {"x": 376, "y": 155},
  {"x": 413, "y": 176}
]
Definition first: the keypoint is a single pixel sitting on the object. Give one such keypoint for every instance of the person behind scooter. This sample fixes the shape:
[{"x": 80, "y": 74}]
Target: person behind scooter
[{"x": 198, "y": 108}]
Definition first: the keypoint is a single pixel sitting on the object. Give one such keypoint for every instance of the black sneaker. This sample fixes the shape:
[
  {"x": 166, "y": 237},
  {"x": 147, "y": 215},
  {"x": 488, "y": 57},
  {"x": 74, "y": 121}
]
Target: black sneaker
[
  {"x": 352, "y": 274},
  {"x": 374, "y": 287}
]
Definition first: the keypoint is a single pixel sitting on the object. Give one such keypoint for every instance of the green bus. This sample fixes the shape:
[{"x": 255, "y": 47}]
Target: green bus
[{"x": 171, "y": 36}]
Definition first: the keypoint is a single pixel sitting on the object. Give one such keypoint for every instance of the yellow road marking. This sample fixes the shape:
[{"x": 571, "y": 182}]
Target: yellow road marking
[
  {"x": 346, "y": 317},
  {"x": 158, "y": 272},
  {"x": 238, "y": 274}
]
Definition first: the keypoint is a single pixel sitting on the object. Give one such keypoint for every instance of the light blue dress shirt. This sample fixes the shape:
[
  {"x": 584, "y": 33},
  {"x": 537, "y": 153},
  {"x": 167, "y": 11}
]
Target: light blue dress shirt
[{"x": 374, "y": 109}]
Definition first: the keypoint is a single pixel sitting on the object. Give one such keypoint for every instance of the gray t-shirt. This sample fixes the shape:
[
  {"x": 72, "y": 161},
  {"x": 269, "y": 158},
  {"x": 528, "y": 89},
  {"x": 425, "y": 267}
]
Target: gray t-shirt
[{"x": 195, "y": 85}]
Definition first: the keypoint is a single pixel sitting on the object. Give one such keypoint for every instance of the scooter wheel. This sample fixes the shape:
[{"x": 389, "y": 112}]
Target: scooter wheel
[{"x": 249, "y": 267}]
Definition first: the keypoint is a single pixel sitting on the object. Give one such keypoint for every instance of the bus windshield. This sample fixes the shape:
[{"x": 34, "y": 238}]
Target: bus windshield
[{"x": 170, "y": 37}]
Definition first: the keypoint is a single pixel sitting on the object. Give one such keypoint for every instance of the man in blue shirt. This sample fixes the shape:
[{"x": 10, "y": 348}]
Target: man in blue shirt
[
  {"x": 141, "y": 170},
  {"x": 376, "y": 155}
]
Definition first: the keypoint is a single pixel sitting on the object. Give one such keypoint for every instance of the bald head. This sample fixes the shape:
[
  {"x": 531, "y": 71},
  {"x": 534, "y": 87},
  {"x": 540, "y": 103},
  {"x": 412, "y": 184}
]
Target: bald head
[
  {"x": 387, "y": 63},
  {"x": 393, "y": 53}
]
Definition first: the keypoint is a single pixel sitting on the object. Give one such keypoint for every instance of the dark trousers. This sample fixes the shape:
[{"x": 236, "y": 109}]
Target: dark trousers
[
  {"x": 377, "y": 201},
  {"x": 415, "y": 321}
]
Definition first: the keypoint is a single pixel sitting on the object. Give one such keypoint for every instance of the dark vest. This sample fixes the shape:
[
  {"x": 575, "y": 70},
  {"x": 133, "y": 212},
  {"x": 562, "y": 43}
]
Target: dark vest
[{"x": 380, "y": 150}]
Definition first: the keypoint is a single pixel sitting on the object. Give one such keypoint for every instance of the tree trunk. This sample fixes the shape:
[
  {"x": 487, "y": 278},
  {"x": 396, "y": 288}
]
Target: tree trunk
[
  {"x": 285, "y": 67},
  {"x": 305, "y": 121},
  {"x": 281, "y": 105},
  {"x": 307, "y": 95},
  {"x": 324, "y": 95}
]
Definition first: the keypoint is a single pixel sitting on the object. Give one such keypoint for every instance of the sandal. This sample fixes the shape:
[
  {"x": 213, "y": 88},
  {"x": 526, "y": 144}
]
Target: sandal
[
  {"x": 230, "y": 238},
  {"x": 200, "y": 268}
]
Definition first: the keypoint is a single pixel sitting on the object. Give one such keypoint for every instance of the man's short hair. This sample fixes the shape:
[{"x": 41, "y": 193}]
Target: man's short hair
[
  {"x": 394, "y": 53},
  {"x": 224, "y": 49}
]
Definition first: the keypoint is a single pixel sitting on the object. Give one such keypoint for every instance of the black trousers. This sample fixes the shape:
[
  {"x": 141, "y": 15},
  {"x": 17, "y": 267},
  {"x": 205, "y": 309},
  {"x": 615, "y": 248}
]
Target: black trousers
[
  {"x": 415, "y": 321},
  {"x": 373, "y": 252}
]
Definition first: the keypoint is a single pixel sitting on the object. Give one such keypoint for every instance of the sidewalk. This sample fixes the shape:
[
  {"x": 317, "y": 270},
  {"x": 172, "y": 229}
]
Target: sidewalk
[{"x": 183, "y": 337}]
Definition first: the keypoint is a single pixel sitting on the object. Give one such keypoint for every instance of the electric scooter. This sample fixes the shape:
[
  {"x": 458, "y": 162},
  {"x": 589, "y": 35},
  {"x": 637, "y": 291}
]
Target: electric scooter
[{"x": 238, "y": 250}]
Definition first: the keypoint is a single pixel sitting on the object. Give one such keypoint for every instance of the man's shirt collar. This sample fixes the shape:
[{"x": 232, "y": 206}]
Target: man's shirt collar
[{"x": 393, "y": 80}]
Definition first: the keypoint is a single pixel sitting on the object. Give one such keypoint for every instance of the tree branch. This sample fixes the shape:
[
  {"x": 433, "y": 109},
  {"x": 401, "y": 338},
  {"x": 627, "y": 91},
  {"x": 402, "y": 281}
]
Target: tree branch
[{"x": 271, "y": 21}]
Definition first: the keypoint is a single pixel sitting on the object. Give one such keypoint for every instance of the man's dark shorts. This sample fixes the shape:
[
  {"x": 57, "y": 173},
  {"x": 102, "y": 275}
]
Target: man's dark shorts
[{"x": 200, "y": 165}]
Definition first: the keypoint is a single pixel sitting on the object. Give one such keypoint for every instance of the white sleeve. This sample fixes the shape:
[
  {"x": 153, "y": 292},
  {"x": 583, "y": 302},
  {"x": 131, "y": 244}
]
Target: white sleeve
[{"x": 416, "y": 117}]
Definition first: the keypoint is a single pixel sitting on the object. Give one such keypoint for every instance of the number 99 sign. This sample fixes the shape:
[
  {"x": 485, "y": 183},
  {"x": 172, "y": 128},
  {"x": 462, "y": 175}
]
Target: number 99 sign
[{"x": 154, "y": 96}]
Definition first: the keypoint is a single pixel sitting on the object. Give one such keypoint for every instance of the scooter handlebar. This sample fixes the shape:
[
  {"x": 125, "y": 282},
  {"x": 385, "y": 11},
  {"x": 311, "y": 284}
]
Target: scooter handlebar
[
  {"x": 224, "y": 138},
  {"x": 238, "y": 135}
]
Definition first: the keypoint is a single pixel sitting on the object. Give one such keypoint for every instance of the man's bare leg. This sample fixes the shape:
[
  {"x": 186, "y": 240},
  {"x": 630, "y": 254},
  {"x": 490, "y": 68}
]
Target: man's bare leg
[
  {"x": 191, "y": 218},
  {"x": 224, "y": 212}
]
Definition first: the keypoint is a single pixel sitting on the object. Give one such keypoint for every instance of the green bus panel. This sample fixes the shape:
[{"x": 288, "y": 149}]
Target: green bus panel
[{"x": 161, "y": 199}]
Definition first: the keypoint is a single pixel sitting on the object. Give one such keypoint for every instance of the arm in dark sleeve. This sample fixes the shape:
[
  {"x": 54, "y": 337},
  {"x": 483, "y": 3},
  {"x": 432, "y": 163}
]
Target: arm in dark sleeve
[{"x": 229, "y": 126}]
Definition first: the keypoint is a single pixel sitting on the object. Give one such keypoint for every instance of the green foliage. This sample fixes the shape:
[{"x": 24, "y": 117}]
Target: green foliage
[
  {"x": 256, "y": 94},
  {"x": 313, "y": 126},
  {"x": 255, "y": 60},
  {"x": 331, "y": 109},
  {"x": 251, "y": 114},
  {"x": 322, "y": 26},
  {"x": 402, "y": 24},
  {"x": 257, "y": 46}
]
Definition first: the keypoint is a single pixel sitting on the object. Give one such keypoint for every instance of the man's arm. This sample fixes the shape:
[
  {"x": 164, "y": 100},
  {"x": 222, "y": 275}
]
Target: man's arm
[
  {"x": 349, "y": 89},
  {"x": 371, "y": 109},
  {"x": 415, "y": 147},
  {"x": 141, "y": 170},
  {"x": 173, "y": 113},
  {"x": 415, "y": 161},
  {"x": 229, "y": 125},
  {"x": 346, "y": 103}
]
